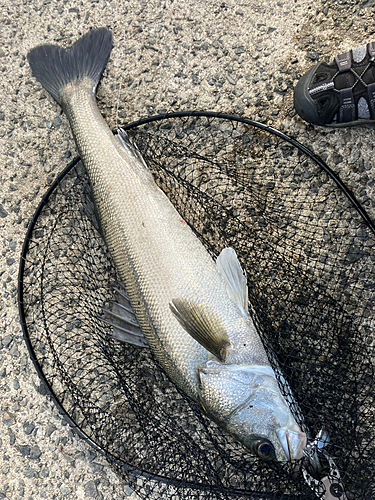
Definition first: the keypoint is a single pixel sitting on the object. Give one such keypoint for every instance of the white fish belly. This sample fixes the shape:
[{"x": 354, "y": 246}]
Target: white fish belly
[{"x": 156, "y": 253}]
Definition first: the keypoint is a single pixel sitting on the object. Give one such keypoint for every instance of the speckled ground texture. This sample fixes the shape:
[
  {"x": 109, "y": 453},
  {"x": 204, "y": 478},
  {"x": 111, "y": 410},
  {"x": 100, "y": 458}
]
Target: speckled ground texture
[{"x": 228, "y": 56}]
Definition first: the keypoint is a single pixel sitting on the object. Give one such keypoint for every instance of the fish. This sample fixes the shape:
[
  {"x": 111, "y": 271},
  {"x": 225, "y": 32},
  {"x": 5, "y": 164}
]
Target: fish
[{"x": 191, "y": 310}]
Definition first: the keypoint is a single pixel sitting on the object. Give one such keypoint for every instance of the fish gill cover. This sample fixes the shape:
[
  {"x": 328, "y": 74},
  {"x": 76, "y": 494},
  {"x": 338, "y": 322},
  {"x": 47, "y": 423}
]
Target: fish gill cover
[{"x": 309, "y": 258}]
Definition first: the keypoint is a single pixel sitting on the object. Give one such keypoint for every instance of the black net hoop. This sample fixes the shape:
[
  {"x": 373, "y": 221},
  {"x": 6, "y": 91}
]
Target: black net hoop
[{"x": 308, "y": 249}]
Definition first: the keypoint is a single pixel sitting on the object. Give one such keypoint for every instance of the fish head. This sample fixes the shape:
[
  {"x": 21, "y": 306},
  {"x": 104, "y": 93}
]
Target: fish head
[{"x": 247, "y": 402}]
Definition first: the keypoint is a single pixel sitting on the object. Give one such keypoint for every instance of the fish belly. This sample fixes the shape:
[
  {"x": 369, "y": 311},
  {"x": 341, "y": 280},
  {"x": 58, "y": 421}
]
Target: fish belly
[{"x": 156, "y": 253}]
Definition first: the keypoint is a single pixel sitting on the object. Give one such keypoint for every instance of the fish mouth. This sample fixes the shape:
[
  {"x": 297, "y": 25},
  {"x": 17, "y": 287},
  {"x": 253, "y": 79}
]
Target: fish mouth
[{"x": 293, "y": 443}]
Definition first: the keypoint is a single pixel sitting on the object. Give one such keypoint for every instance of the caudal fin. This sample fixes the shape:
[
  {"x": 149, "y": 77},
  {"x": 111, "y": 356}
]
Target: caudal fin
[{"x": 55, "y": 66}]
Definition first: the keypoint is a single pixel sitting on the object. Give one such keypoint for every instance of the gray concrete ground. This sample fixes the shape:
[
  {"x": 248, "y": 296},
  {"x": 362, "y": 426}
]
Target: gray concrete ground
[{"x": 228, "y": 56}]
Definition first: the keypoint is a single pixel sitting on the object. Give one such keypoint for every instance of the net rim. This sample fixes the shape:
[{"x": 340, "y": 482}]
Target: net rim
[{"x": 20, "y": 296}]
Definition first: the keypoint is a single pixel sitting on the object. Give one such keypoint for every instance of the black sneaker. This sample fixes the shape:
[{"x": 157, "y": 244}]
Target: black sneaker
[{"x": 339, "y": 94}]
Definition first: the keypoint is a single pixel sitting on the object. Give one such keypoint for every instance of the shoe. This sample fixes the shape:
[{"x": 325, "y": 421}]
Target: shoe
[{"x": 339, "y": 94}]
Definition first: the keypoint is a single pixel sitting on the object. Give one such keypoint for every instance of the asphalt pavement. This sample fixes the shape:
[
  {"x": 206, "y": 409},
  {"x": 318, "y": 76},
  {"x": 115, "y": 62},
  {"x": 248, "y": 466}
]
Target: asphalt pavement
[{"x": 242, "y": 58}]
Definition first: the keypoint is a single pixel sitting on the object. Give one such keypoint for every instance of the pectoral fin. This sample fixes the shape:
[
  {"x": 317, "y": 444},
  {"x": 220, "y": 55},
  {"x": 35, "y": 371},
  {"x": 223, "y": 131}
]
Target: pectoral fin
[
  {"x": 235, "y": 278},
  {"x": 202, "y": 324}
]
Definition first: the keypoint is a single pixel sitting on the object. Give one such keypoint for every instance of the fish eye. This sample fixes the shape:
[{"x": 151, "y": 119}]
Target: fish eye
[{"x": 264, "y": 449}]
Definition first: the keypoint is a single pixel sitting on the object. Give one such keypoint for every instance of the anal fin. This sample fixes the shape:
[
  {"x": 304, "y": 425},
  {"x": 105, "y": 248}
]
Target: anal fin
[
  {"x": 122, "y": 318},
  {"x": 130, "y": 146}
]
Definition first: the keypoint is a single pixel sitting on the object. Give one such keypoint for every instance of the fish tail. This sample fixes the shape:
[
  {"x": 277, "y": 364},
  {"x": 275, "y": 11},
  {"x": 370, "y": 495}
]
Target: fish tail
[{"x": 55, "y": 66}]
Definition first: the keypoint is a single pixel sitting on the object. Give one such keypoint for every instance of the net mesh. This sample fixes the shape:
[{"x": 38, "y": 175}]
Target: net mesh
[{"x": 309, "y": 260}]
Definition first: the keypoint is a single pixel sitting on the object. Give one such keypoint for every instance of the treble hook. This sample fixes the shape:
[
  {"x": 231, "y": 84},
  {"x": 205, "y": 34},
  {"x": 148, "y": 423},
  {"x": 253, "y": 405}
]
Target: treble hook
[{"x": 320, "y": 471}]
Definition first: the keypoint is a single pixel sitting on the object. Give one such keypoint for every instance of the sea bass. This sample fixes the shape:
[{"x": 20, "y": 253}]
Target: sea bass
[{"x": 192, "y": 311}]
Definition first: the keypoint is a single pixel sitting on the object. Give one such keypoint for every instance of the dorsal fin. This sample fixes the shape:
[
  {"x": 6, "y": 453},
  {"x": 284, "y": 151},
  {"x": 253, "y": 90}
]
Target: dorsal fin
[
  {"x": 203, "y": 325},
  {"x": 122, "y": 318},
  {"x": 235, "y": 278}
]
